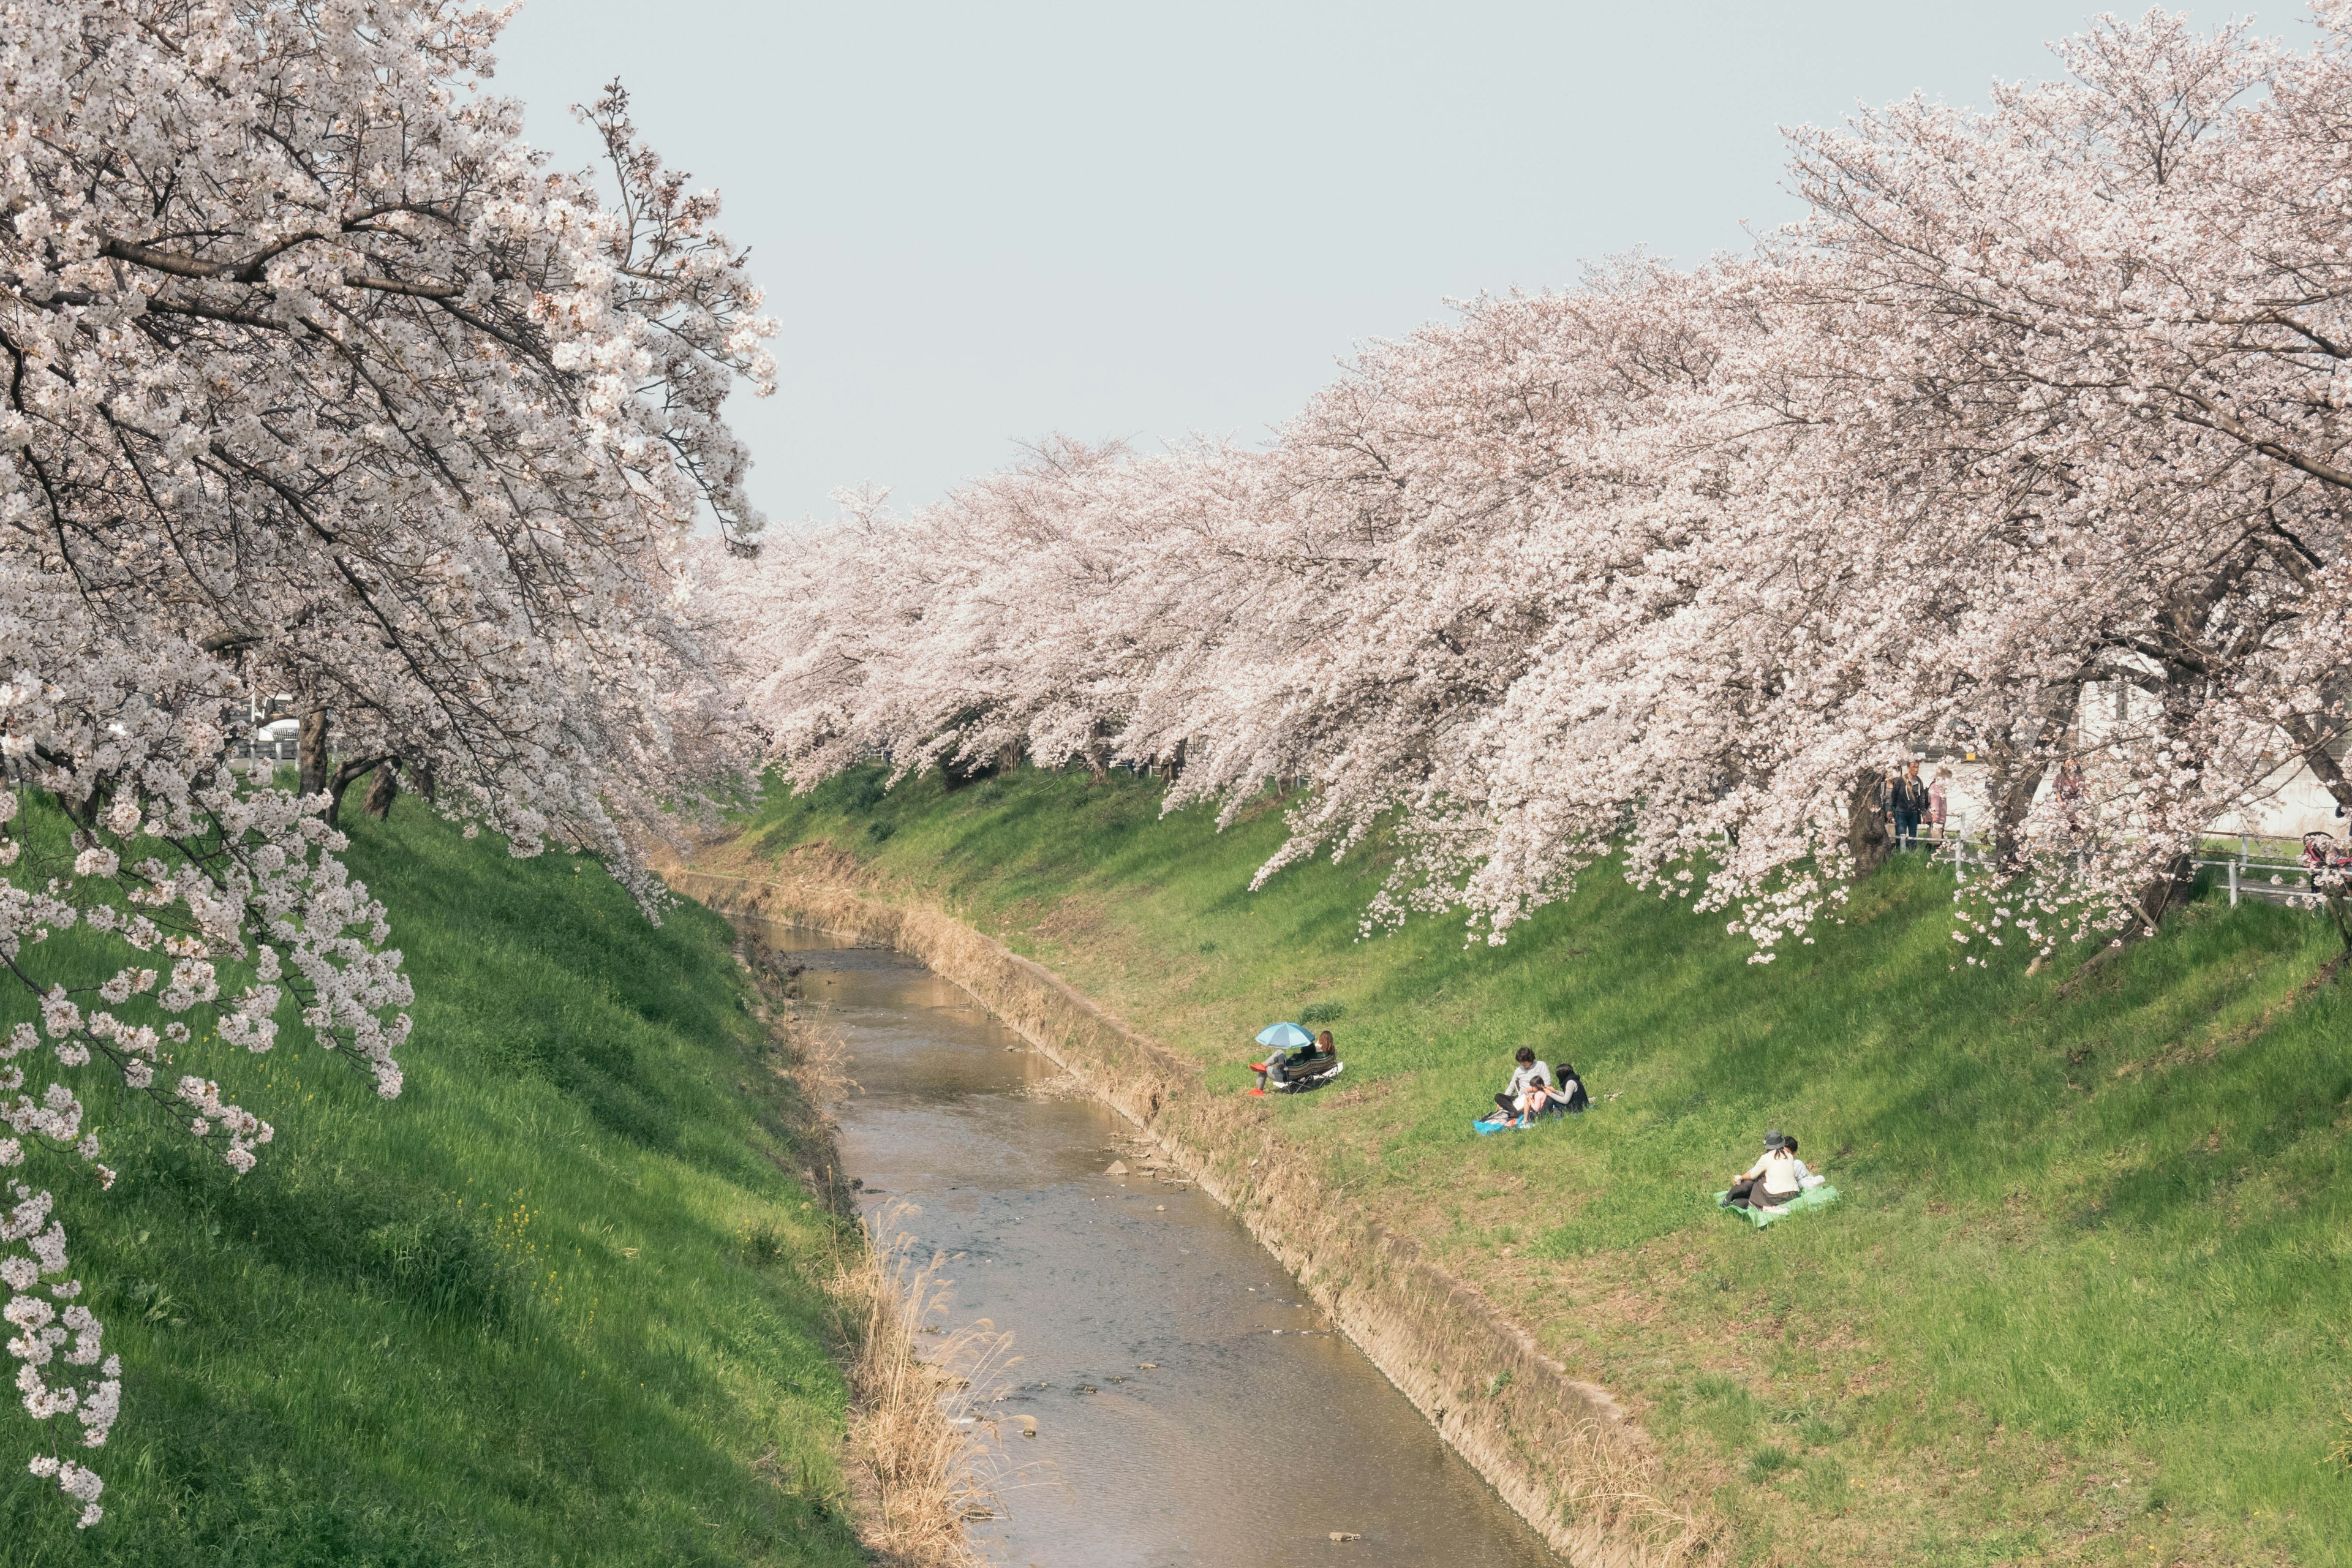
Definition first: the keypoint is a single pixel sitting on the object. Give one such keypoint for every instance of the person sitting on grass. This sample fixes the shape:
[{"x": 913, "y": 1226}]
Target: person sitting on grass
[
  {"x": 1530, "y": 1071},
  {"x": 1569, "y": 1096},
  {"x": 1807, "y": 1180},
  {"x": 1533, "y": 1101},
  {"x": 1772, "y": 1180},
  {"x": 1305, "y": 1062}
]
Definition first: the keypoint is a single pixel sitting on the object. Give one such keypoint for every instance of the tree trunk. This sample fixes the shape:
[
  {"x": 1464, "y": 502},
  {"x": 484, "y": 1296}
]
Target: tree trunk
[
  {"x": 311, "y": 748},
  {"x": 1173, "y": 766},
  {"x": 2166, "y": 892},
  {"x": 383, "y": 788},
  {"x": 1866, "y": 838},
  {"x": 2011, "y": 800},
  {"x": 2018, "y": 769},
  {"x": 342, "y": 779}
]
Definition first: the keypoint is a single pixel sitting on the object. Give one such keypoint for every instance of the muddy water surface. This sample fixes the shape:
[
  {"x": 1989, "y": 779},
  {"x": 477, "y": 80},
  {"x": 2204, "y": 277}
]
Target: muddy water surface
[{"x": 1192, "y": 1409}]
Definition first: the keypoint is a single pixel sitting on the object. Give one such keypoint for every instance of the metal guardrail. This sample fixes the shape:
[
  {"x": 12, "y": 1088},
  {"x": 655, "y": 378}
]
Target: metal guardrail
[
  {"x": 2273, "y": 882},
  {"x": 2248, "y": 874}
]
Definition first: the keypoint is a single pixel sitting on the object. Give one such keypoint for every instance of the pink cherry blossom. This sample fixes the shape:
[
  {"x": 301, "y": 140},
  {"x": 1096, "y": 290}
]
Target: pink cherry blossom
[
  {"x": 314, "y": 378},
  {"x": 2037, "y": 418}
]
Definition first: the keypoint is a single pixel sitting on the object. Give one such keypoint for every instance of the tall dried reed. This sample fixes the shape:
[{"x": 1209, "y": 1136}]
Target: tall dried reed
[{"x": 924, "y": 1468}]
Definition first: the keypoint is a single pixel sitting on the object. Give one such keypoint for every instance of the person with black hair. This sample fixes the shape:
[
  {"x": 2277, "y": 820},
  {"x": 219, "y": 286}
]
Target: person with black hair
[
  {"x": 1530, "y": 1071},
  {"x": 1908, "y": 798},
  {"x": 1571, "y": 1095},
  {"x": 1774, "y": 1179},
  {"x": 1806, "y": 1179}
]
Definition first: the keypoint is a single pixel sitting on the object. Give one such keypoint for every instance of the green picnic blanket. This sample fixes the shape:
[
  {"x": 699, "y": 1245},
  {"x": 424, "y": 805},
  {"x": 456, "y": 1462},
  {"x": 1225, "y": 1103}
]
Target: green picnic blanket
[{"x": 1811, "y": 1198}]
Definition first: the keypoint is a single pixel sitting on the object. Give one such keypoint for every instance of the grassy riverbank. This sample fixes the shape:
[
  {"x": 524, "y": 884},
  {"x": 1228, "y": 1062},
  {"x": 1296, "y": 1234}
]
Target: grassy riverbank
[
  {"x": 561, "y": 1303},
  {"x": 2083, "y": 1301}
]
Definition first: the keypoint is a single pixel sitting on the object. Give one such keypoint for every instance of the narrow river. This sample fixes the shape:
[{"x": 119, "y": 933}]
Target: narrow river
[{"x": 1192, "y": 1409}]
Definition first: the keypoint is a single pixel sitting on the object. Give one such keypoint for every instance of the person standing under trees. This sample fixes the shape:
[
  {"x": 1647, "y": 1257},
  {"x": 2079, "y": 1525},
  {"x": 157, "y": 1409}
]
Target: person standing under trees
[{"x": 1909, "y": 800}]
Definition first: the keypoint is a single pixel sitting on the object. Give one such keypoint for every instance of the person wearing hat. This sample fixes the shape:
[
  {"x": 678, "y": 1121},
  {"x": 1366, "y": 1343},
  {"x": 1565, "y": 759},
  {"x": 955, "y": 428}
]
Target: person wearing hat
[{"x": 1773, "y": 1180}]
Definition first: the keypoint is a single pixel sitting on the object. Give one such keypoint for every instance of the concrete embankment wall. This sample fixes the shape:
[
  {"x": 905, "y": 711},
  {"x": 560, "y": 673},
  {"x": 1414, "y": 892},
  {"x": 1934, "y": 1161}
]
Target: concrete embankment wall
[{"x": 1558, "y": 1451}]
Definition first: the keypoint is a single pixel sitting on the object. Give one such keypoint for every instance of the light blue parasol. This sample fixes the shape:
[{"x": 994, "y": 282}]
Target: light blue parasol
[{"x": 1285, "y": 1036}]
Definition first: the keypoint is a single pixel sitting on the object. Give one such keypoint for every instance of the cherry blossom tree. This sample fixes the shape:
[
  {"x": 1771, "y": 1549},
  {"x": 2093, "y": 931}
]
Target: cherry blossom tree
[
  {"x": 2028, "y": 441},
  {"x": 314, "y": 358},
  {"x": 318, "y": 380}
]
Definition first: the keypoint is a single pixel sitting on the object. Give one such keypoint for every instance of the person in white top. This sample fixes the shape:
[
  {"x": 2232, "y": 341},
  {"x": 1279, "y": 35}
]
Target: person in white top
[
  {"x": 1775, "y": 1178},
  {"x": 1530, "y": 1071}
]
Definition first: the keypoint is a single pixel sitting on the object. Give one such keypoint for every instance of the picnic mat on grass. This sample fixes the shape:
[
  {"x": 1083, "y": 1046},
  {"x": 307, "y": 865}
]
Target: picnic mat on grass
[
  {"x": 1811, "y": 1198},
  {"x": 1487, "y": 1127}
]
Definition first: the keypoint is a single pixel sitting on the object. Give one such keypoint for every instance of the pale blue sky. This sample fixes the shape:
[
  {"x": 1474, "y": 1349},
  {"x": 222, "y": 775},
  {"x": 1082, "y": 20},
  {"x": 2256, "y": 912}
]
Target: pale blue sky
[{"x": 980, "y": 224}]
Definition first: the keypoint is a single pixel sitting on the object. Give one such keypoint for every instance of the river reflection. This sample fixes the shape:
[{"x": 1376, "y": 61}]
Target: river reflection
[{"x": 1253, "y": 1432}]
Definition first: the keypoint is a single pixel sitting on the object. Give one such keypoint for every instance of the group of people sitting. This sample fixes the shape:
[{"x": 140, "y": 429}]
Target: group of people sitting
[
  {"x": 1536, "y": 1091},
  {"x": 1777, "y": 1176}
]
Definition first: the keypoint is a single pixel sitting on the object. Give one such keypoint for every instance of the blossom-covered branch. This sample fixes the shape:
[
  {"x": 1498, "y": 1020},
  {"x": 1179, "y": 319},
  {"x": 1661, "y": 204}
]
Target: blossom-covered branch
[{"x": 315, "y": 379}]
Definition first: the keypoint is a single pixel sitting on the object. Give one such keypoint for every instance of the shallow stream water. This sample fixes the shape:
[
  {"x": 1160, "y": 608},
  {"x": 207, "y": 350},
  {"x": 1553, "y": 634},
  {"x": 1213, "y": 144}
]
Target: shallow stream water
[{"x": 1191, "y": 1408}]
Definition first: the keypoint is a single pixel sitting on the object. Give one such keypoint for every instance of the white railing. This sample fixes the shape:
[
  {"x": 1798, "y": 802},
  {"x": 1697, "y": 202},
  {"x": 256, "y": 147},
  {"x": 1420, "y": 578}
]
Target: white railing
[
  {"x": 2273, "y": 879},
  {"x": 2253, "y": 872}
]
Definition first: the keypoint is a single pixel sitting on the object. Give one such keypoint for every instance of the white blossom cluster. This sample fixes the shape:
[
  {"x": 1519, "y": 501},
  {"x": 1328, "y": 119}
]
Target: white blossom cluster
[
  {"x": 315, "y": 379},
  {"x": 2037, "y": 406},
  {"x": 45, "y": 1335},
  {"x": 180, "y": 868},
  {"x": 311, "y": 361}
]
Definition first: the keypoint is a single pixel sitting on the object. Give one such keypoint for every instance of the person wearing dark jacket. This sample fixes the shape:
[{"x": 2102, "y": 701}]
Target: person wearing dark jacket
[
  {"x": 1909, "y": 800},
  {"x": 1310, "y": 1060}
]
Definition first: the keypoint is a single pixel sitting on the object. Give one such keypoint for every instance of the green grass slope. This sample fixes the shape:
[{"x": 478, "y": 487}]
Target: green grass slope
[
  {"x": 2085, "y": 1298},
  {"x": 558, "y": 1304}
]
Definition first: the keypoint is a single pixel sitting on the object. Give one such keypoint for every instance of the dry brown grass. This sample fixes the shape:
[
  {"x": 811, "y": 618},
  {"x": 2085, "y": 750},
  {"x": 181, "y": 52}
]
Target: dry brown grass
[
  {"x": 918, "y": 1465},
  {"x": 818, "y": 1060},
  {"x": 916, "y": 1448},
  {"x": 1606, "y": 1492}
]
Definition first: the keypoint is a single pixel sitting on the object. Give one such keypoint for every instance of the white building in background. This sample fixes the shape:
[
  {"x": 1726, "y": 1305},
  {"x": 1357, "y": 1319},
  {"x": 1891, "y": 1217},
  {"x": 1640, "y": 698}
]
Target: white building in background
[
  {"x": 276, "y": 730},
  {"x": 2292, "y": 803},
  {"x": 2289, "y": 804}
]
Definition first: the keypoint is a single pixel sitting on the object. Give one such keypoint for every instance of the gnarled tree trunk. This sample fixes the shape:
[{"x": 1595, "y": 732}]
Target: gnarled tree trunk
[
  {"x": 2166, "y": 892},
  {"x": 1866, "y": 838},
  {"x": 310, "y": 748},
  {"x": 383, "y": 788}
]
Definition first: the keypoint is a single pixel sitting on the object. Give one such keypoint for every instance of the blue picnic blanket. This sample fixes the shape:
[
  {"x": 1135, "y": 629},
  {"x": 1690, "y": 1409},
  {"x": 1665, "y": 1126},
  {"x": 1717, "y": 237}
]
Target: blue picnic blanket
[
  {"x": 1811, "y": 1198},
  {"x": 1486, "y": 1127}
]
